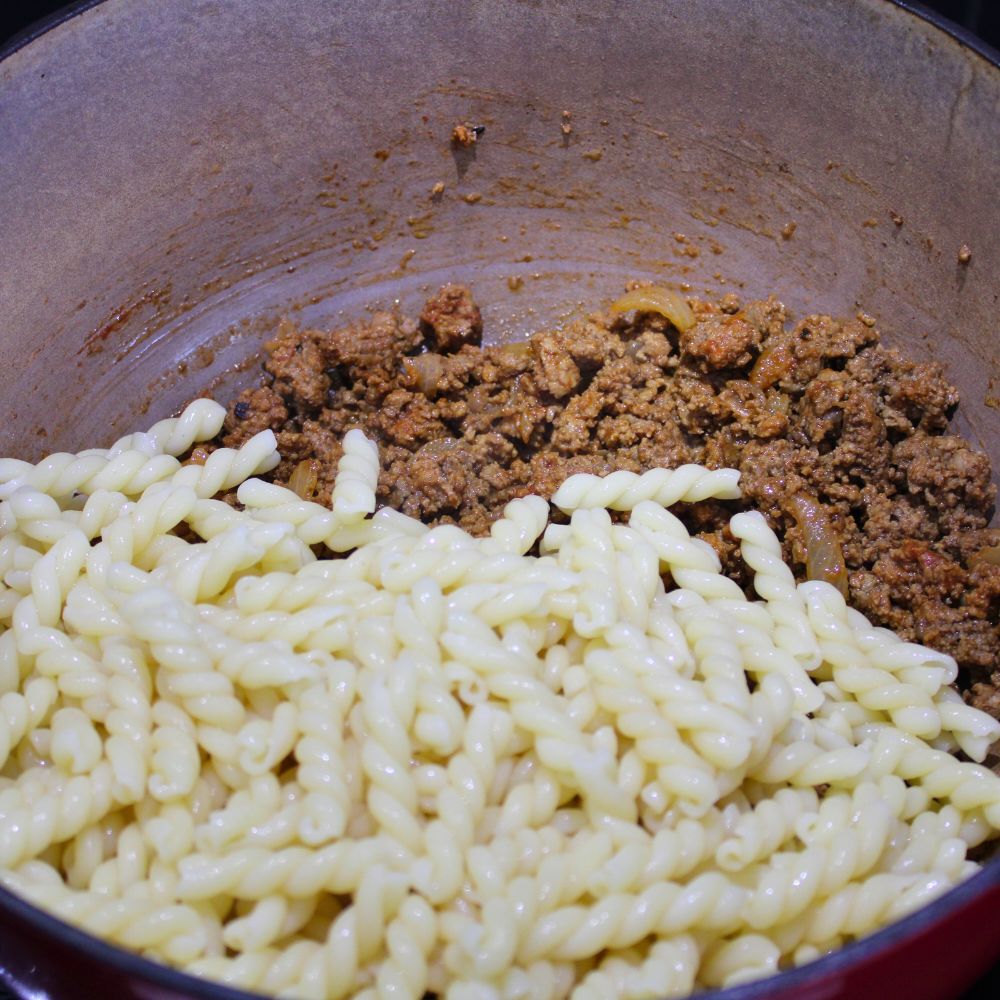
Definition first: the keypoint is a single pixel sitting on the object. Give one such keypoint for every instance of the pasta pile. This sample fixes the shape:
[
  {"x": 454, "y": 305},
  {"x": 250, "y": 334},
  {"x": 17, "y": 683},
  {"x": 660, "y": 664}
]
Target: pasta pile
[{"x": 438, "y": 764}]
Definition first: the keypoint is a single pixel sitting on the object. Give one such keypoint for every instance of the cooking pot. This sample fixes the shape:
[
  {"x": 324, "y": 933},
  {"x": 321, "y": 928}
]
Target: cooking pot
[{"x": 174, "y": 176}]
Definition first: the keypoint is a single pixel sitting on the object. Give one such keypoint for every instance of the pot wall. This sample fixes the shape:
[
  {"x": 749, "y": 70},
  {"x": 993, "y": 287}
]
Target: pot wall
[{"x": 171, "y": 175}]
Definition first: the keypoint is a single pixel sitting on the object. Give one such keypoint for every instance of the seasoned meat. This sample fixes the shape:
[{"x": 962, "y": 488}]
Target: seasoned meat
[
  {"x": 255, "y": 410},
  {"x": 949, "y": 476},
  {"x": 297, "y": 365},
  {"x": 453, "y": 318},
  {"x": 815, "y": 415},
  {"x": 721, "y": 342}
]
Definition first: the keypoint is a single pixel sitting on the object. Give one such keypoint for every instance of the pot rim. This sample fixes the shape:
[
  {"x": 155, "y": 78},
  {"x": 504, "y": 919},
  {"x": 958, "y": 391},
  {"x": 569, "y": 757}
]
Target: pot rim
[
  {"x": 828, "y": 967},
  {"x": 855, "y": 953}
]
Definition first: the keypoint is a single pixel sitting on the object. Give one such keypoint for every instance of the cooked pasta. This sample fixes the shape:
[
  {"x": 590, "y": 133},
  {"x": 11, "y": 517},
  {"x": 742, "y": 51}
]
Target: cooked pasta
[{"x": 439, "y": 764}]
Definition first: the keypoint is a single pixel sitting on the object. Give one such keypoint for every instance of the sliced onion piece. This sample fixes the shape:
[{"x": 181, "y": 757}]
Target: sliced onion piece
[
  {"x": 658, "y": 299},
  {"x": 989, "y": 556},
  {"x": 772, "y": 365},
  {"x": 425, "y": 370},
  {"x": 305, "y": 478},
  {"x": 517, "y": 349},
  {"x": 824, "y": 555}
]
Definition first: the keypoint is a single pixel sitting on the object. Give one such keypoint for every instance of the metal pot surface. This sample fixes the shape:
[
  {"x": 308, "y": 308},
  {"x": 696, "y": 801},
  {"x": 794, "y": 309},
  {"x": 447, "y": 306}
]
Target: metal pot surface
[{"x": 175, "y": 176}]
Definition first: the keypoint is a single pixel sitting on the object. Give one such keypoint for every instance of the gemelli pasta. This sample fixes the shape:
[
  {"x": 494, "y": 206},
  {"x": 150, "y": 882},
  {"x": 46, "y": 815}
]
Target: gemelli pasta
[{"x": 439, "y": 764}]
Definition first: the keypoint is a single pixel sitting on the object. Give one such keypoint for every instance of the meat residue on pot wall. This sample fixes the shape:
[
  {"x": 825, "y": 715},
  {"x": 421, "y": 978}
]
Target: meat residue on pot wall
[{"x": 157, "y": 300}]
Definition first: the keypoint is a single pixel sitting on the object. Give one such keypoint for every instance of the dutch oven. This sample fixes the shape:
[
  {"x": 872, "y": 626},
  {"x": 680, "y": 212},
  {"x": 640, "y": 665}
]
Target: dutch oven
[{"x": 174, "y": 176}]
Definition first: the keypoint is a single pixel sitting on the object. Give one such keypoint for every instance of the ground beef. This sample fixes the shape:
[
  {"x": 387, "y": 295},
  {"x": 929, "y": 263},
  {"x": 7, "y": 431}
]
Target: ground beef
[
  {"x": 724, "y": 341},
  {"x": 257, "y": 410},
  {"x": 817, "y": 413},
  {"x": 452, "y": 318}
]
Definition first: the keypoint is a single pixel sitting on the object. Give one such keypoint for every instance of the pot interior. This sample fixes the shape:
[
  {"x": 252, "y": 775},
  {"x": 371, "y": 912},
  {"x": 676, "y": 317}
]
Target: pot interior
[{"x": 174, "y": 181}]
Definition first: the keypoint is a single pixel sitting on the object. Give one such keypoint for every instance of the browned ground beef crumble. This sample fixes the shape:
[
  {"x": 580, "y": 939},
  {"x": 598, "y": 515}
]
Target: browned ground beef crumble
[{"x": 817, "y": 411}]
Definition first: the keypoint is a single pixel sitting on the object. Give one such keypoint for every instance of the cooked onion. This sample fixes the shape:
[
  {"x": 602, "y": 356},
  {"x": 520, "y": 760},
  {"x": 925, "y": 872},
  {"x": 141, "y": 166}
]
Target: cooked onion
[
  {"x": 824, "y": 556},
  {"x": 305, "y": 478},
  {"x": 425, "y": 369},
  {"x": 989, "y": 555},
  {"x": 517, "y": 351},
  {"x": 658, "y": 299},
  {"x": 773, "y": 364},
  {"x": 776, "y": 404}
]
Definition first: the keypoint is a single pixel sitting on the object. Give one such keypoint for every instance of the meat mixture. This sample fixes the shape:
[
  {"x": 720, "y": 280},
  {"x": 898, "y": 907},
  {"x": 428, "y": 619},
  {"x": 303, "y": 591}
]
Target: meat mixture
[{"x": 842, "y": 443}]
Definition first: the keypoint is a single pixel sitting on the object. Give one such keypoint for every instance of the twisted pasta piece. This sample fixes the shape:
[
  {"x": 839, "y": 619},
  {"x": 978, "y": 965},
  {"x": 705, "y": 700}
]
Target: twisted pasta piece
[
  {"x": 711, "y": 637},
  {"x": 593, "y": 557},
  {"x": 739, "y": 960},
  {"x": 966, "y": 786},
  {"x": 44, "y": 582},
  {"x": 175, "y": 933},
  {"x": 269, "y": 920},
  {"x": 859, "y": 906},
  {"x": 187, "y": 669},
  {"x": 670, "y": 854},
  {"x": 802, "y": 763},
  {"x": 23, "y": 712},
  {"x": 89, "y": 849},
  {"x": 638, "y": 579},
  {"x": 974, "y": 731},
  {"x": 388, "y": 706},
  {"x": 762, "y": 655},
  {"x": 314, "y": 524},
  {"x": 202, "y": 571},
  {"x": 710, "y": 902},
  {"x": 625, "y": 490},
  {"x": 296, "y": 872},
  {"x": 55, "y": 573},
  {"x": 62, "y": 474},
  {"x": 792, "y": 882},
  {"x": 303, "y": 590},
  {"x": 774, "y": 582},
  {"x": 441, "y": 555},
  {"x": 460, "y": 805},
  {"x": 357, "y": 478},
  {"x": 53, "y": 653},
  {"x": 27, "y": 828},
  {"x": 667, "y": 969},
  {"x": 770, "y": 824},
  {"x": 200, "y": 420},
  {"x": 654, "y": 727},
  {"x": 228, "y": 467},
  {"x": 692, "y": 563},
  {"x": 409, "y": 940},
  {"x": 873, "y": 684},
  {"x": 522, "y": 523},
  {"x": 354, "y": 939},
  {"x": 560, "y": 744},
  {"x": 157, "y": 512},
  {"x": 129, "y": 724},
  {"x": 419, "y": 621},
  {"x": 931, "y": 844},
  {"x": 38, "y": 516},
  {"x": 319, "y": 752}
]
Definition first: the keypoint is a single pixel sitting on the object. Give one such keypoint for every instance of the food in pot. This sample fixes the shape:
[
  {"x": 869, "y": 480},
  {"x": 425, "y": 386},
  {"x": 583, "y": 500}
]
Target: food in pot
[
  {"x": 843, "y": 444},
  {"x": 520, "y": 732},
  {"x": 441, "y": 764}
]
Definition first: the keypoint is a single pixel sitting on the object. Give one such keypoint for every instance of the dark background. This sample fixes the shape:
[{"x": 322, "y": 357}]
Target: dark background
[{"x": 981, "y": 17}]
